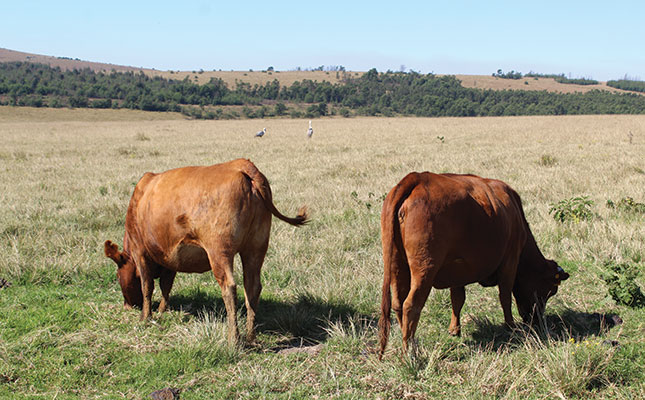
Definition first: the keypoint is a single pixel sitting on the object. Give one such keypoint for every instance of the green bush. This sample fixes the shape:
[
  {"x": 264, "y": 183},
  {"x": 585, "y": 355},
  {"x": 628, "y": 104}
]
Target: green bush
[
  {"x": 280, "y": 109},
  {"x": 574, "y": 209},
  {"x": 621, "y": 284},
  {"x": 627, "y": 204}
]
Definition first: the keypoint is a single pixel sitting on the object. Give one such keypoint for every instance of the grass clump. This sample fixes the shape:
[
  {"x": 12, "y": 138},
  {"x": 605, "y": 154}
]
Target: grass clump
[
  {"x": 547, "y": 160},
  {"x": 142, "y": 137}
]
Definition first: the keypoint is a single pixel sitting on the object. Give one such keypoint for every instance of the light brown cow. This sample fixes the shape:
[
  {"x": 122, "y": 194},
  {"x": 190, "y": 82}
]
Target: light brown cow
[
  {"x": 195, "y": 219},
  {"x": 447, "y": 231}
]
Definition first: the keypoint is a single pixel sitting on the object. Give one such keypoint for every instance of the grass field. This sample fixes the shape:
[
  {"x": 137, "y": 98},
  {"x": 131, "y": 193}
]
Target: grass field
[{"x": 66, "y": 177}]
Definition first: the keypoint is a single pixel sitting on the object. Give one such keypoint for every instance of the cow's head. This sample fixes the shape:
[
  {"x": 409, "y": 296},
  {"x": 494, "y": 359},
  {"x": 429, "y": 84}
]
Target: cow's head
[
  {"x": 128, "y": 275},
  {"x": 534, "y": 286}
]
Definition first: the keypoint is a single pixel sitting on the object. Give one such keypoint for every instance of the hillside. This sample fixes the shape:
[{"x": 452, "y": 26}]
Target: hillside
[
  {"x": 287, "y": 78},
  {"x": 63, "y": 63}
]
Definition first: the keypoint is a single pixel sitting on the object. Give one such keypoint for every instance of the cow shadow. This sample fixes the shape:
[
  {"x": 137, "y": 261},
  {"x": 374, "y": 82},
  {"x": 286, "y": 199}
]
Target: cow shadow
[
  {"x": 301, "y": 321},
  {"x": 560, "y": 328}
]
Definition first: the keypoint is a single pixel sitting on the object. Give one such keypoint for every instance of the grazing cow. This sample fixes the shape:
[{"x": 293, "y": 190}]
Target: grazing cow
[
  {"x": 195, "y": 219},
  {"x": 447, "y": 231}
]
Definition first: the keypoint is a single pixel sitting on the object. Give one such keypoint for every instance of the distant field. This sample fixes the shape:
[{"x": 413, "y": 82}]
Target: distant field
[
  {"x": 548, "y": 84},
  {"x": 66, "y": 177},
  {"x": 286, "y": 78}
]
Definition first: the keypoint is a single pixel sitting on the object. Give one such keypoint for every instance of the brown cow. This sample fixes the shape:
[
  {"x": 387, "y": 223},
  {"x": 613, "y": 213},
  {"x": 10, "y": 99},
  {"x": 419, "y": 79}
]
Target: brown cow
[
  {"x": 448, "y": 230},
  {"x": 195, "y": 219}
]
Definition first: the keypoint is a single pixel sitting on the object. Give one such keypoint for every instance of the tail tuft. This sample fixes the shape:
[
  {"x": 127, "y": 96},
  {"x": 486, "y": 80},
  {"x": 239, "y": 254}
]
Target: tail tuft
[
  {"x": 384, "y": 321},
  {"x": 303, "y": 216}
]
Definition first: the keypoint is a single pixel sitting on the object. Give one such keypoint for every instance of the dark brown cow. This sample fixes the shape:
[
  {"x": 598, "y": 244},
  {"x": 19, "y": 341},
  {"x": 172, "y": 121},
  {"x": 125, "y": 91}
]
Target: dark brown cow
[
  {"x": 195, "y": 219},
  {"x": 448, "y": 230}
]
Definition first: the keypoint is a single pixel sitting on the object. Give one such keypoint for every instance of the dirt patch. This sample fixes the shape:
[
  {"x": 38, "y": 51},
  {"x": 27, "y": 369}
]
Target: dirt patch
[
  {"x": 166, "y": 394},
  {"x": 310, "y": 350}
]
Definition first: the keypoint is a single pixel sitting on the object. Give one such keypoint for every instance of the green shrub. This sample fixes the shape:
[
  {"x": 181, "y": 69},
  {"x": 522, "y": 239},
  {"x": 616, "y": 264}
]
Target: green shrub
[
  {"x": 621, "y": 284},
  {"x": 627, "y": 204},
  {"x": 574, "y": 209}
]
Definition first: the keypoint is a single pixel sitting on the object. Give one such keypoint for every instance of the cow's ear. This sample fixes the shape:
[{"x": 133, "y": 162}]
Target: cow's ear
[
  {"x": 560, "y": 274},
  {"x": 112, "y": 251}
]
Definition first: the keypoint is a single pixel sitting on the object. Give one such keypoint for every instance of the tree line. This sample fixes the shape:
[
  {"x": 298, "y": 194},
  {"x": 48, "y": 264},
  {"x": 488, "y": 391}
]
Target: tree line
[
  {"x": 373, "y": 93},
  {"x": 626, "y": 84}
]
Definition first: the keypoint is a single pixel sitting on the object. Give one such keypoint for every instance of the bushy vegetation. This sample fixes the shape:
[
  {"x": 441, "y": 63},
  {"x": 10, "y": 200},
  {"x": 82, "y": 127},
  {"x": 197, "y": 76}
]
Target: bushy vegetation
[
  {"x": 576, "y": 81},
  {"x": 373, "y": 93},
  {"x": 507, "y": 75},
  {"x": 621, "y": 284},
  {"x": 627, "y": 204},
  {"x": 574, "y": 209},
  {"x": 626, "y": 84}
]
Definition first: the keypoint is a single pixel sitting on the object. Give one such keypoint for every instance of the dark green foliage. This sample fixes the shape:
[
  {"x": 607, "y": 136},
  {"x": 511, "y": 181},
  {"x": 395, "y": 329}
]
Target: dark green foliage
[
  {"x": 280, "y": 109},
  {"x": 508, "y": 75},
  {"x": 621, "y": 284},
  {"x": 373, "y": 93},
  {"x": 625, "y": 84},
  {"x": 574, "y": 209},
  {"x": 579, "y": 81}
]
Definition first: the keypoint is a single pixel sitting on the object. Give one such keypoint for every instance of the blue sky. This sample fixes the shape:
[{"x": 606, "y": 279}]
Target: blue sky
[{"x": 594, "y": 39}]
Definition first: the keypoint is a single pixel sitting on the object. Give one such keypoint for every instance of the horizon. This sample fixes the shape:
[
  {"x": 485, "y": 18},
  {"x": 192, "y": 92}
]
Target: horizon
[{"x": 468, "y": 38}]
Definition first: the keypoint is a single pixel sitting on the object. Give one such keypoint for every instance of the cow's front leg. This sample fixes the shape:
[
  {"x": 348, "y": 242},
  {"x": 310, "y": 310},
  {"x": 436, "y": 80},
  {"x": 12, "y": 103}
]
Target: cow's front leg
[
  {"x": 457, "y": 298},
  {"x": 166, "y": 279},
  {"x": 147, "y": 287},
  {"x": 506, "y": 299}
]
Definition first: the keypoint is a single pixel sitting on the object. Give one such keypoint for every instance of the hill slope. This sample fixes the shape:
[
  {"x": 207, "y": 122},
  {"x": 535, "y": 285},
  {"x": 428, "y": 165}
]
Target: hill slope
[{"x": 286, "y": 78}]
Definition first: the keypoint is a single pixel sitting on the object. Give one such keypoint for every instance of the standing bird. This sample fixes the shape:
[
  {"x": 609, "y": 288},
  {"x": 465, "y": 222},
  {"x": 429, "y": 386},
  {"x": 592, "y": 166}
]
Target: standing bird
[
  {"x": 261, "y": 133},
  {"x": 310, "y": 131}
]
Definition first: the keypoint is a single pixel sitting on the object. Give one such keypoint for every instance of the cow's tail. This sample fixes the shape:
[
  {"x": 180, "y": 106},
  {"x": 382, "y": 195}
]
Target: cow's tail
[
  {"x": 393, "y": 251},
  {"x": 261, "y": 186}
]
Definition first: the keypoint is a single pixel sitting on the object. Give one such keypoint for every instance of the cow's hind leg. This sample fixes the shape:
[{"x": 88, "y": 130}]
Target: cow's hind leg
[
  {"x": 421, "y": 279},
  {"x": 457, "y": 298},
  {"x": 222, "y": 267},
  {"x": 252, "y": 264},
  {"x": 166, "y": 279},
  {"x": 400, "y": 291}
]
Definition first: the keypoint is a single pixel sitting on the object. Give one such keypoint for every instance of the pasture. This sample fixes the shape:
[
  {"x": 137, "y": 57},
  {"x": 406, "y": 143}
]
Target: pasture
[{"x": 66, "y": 177}]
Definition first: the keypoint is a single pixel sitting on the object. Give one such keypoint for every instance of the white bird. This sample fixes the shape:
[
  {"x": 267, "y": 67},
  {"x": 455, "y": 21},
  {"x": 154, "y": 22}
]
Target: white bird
[
  {"x": 310, "y": 131},
  {"x": 261, "y": 133}
]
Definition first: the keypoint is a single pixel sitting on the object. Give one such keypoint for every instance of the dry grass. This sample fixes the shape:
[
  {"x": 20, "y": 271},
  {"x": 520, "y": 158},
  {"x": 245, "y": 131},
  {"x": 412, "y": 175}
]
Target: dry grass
[
  {"x": 66, "y": 177},
  {"x": 526, "y": 83},
  {"x": 286, "y": 78}
]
